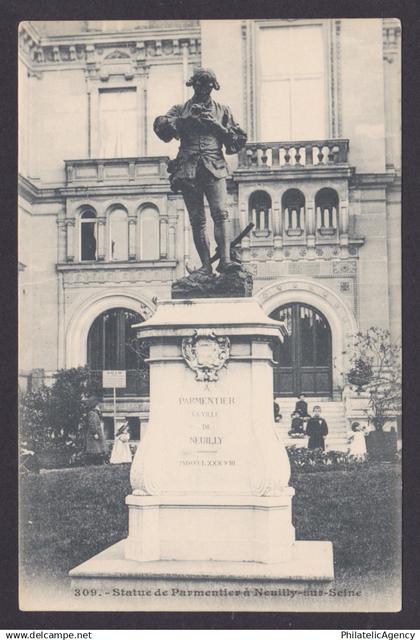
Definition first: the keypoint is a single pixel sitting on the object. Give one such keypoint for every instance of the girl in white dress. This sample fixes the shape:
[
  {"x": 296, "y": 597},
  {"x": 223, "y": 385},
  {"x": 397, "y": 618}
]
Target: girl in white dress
[
  {"x": 121, "y": 449},
  {"x": 357, "y": 442}
]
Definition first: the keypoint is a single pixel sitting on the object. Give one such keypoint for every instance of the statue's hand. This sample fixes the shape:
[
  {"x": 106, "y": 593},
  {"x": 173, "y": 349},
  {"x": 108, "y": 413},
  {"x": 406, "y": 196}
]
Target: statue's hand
[
  {"x": 192, "y": 115},
  {"x": 208, "y": 118}
]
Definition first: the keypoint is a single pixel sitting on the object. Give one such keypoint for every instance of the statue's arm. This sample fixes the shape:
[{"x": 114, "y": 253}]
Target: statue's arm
[
  {"x": 235, "y": 138},
  {"x": 165, "y": 127}
]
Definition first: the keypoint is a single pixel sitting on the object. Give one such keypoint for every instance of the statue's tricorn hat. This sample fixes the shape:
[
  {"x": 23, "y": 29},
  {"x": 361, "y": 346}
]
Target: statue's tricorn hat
[{"x": 204, "y": 73}]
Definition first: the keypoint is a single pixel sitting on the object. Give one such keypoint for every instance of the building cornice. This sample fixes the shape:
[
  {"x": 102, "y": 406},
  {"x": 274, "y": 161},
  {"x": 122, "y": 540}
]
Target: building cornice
[
  {"x": 109, "y": 266},
  {"x": 293, "y": 173},
  {"x": 92, "y": 50},
  {"x": 34, "y": 194},
  {"x": 373, "y": 180},
  {"x": 391, "y": 39}
]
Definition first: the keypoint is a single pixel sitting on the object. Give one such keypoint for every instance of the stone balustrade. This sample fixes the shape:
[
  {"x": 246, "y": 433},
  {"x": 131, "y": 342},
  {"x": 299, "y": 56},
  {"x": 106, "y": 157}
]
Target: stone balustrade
[
  {"x": 285, "y": 155},
  {"x": 128, "y": 171}
]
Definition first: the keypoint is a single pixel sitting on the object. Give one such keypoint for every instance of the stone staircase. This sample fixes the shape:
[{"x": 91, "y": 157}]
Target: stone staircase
[{"x": 332, "y": 412}]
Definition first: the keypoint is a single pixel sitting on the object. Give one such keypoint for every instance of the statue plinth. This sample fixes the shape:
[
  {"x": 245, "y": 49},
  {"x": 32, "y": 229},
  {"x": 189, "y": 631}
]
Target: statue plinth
[
  {"x": 210, "y": 480},
  {"x": 234, "y": 284}
]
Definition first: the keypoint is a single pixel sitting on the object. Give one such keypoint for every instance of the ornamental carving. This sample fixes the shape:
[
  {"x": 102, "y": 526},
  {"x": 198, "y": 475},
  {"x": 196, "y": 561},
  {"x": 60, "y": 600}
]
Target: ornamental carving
[
  {"x": 345, "y": 268},
  {"x": 206, "y": 354}
]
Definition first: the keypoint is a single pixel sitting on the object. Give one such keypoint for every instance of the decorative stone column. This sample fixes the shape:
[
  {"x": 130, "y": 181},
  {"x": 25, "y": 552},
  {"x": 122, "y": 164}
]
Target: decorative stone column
[
  {"x": 278, "y": 232},
  {"x": 70, "y": 240},
  {"x": 132, "y": 236},
  {"x": 163, "y": 237},
  {"x": 185, "y": 74},
  {"x": 171, "y": 238},
  {"x": 245, "y": 243},
  {"x": 100, "y": 251},
  {"x": 62, "y": 240},
  {"x": 310, "y": 223},
  {"x": 343, "y": 221}
]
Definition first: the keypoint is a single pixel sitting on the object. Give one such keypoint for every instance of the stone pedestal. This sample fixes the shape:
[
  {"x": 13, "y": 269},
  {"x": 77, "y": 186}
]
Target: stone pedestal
[{"x": 210, "y": 478}]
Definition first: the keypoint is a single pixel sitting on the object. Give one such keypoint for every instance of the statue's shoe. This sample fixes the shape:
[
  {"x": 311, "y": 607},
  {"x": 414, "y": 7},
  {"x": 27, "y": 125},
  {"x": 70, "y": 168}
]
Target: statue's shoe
[
  {"x": 207, "y": 271},
  {"x": 228, "y": 267}
]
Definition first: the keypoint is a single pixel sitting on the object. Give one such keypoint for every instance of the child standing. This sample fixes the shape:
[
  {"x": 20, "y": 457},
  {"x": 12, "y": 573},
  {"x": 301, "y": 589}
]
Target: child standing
[
  {"x": 121, "y": 449},
  {"x": 317, "y": 430},
  {"x": 296, "y": 429},
  {"x": 357, "y": 442}
]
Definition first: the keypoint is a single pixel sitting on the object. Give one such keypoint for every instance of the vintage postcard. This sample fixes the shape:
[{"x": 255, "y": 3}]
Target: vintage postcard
[{"x": 210, "y": 315}]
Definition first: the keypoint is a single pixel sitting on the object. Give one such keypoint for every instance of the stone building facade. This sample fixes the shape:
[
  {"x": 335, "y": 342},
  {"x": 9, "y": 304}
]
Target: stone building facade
[{"x": 102, "y": 236}]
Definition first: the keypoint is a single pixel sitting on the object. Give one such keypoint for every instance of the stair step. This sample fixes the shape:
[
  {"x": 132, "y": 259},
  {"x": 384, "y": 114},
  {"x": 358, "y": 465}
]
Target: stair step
[{"x": 332, "y": 411}]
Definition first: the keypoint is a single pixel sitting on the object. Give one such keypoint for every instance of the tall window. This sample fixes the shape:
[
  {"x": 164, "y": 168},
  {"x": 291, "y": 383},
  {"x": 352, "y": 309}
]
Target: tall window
[
  {"x": 292, "y": 101},
  {"x": 149, "y": 233},
  {"x": 118, "y": 123},
  {"x": 260, "y": 210},
  {"x": 293, "y": 211},
  {"x": 118, "y": 234},
  {"x": 88, "y": 235}
]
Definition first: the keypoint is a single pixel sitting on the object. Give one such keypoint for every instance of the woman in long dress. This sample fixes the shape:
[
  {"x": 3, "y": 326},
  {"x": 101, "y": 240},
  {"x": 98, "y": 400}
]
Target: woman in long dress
[
  {"x": 121, "y": 449},
  {"x": 95, "y": 442},
  {"x": 357, "y": 442}
]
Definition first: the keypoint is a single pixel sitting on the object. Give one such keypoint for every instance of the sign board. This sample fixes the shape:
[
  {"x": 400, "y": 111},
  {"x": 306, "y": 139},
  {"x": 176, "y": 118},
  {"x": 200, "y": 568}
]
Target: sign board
[{"x": 113, "y": 379}]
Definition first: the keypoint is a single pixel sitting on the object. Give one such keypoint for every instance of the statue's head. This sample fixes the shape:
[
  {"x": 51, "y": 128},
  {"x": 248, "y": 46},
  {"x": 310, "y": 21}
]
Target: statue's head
[
  {"x": 203, "y": 82},
  {"x": 91, "y": 403}
]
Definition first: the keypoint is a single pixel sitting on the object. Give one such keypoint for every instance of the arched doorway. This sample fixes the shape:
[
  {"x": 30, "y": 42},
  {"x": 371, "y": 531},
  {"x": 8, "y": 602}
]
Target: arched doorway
[
  {"x": 304, "y": 358},
  {"x": 110, "y": 346}
]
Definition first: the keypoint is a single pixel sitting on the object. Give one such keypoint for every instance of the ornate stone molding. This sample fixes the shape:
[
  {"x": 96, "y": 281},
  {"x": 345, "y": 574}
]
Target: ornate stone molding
[
  {"x": 124, "y": 53},
  {"x": 391, "y": 32},
  {"x": 106, "y": 274},
  {"x": 327, "y": 253}
]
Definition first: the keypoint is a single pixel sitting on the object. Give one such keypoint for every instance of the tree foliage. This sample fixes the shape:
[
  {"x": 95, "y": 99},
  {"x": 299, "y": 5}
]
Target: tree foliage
[
  {"x": 53, "y": 417},
  {"x": 378, "y": 360}
]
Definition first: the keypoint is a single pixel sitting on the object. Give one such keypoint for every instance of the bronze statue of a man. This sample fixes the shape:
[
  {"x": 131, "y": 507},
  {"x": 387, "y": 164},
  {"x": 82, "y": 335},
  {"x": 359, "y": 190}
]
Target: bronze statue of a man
[{"x": 203, "y": 126}]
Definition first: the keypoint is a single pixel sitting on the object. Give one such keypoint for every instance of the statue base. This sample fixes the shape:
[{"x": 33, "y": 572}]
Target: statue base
[
  {"x": 234, "y": 284},
  {"x": 210, "y": 480},
  {"x": 310, "y": 560}
]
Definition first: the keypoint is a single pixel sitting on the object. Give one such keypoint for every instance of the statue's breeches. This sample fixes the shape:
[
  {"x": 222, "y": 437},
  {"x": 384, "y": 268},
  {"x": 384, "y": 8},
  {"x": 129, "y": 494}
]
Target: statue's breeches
[{"x": 193, "y": 191}]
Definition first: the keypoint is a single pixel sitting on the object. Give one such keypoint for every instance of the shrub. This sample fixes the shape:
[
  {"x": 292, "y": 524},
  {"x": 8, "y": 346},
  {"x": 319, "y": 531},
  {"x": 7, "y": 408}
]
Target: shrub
[{"x": 309, "y": 460}]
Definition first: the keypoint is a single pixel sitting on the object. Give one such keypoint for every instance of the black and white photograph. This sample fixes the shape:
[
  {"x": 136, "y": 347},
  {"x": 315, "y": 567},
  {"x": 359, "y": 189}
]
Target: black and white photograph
[{"x": 209, "y": 222}]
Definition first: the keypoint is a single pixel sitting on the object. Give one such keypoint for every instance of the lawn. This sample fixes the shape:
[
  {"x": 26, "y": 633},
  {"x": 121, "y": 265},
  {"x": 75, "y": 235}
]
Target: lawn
[{"x": 68, "y": 515}]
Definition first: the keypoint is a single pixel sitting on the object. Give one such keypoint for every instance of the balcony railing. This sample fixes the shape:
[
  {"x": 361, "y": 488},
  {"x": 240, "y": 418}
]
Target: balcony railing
[
  {"x": 116, "y": 171},
  {"x": 137, "y": 380},
  {"x": 293, "y": 155}
]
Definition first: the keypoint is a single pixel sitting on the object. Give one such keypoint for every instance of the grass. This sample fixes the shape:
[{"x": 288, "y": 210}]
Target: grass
[{"x": 69, "y": 515}]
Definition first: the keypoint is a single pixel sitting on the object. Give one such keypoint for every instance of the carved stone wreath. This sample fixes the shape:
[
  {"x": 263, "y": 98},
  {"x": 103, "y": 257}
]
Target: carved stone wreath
[{"x": 206, "y": 354}]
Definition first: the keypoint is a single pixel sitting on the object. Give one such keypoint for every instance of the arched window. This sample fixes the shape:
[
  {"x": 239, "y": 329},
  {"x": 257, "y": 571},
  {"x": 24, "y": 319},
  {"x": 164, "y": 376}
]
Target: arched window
[
  {"x": 293, "y": 211},
  {"x": 110, "y": 346},
  {"x": 88, "y": 235},
  {"x": 326, "y": 206},
  {"x": 149, "y": 233},
  {"x": 118, "y": 234},
  {"x": 260, "y": 210}
]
